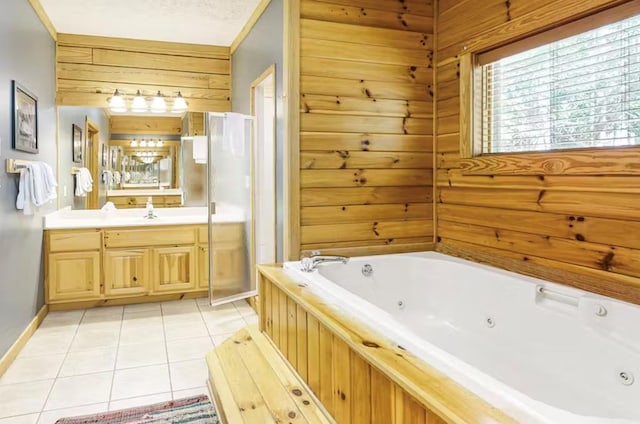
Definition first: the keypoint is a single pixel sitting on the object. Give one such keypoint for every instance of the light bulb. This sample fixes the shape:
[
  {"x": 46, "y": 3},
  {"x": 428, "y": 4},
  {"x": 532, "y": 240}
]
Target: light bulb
[
  {"x": 143, "y": 143},
  {"x": 134, "y": 143},
  {"x": 159, "y": 143},
  {"x": 139, "y": 104},
  {"x": 117, "y": 103},
  {"x": 179, "y": 104},
  {"x": 158, "y": 105}
]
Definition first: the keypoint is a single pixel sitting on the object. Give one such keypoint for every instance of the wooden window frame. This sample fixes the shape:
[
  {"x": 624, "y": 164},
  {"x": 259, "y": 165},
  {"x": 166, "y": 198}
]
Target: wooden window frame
[{"x": 575, "y": 161}]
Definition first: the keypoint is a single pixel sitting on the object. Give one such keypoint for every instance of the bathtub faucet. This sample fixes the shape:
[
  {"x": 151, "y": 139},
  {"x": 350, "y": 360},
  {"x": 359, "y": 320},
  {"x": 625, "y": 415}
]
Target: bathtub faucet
[{"x": 310, "y": 263}]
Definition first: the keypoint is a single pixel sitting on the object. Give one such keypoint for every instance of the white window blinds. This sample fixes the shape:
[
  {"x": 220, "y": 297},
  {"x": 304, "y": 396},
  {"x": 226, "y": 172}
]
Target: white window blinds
[{"x": 578, "y": 92}]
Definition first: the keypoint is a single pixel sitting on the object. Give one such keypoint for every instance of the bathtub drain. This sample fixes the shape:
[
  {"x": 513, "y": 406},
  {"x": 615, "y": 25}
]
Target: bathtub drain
[
  {"x": 367, "y": 270},
  {"x": 490, "y": 322},
  {"x": 401, "y": 304},
  {"x": 626, "y": 378}
]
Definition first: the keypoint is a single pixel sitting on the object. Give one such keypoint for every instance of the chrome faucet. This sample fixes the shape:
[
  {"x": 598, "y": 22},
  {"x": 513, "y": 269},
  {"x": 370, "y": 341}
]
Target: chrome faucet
[{"x": 309, "y": 264}]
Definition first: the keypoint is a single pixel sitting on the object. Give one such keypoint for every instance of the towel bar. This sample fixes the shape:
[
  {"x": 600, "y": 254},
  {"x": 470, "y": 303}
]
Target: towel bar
[{"x": 15, "y": 165}]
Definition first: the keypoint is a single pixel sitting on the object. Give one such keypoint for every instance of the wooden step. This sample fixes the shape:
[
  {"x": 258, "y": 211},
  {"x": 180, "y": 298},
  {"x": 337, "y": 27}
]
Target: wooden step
[{"x": 249, "y": 382}]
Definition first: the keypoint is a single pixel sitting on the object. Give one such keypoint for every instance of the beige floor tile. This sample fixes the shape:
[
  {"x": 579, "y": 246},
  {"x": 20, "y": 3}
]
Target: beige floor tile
[
  {"x": 188, "y": 374},
  {"x": 23, "y": 398},
  {"x": 139, "y": 401},
  {"x": 244, "y": 308},
  {"x": 36, "y": 368},
  {"x": 48, "y": 341},
  {"x": 134, "y": 334},
  {"x": 80, "y": 390},
  {"x": 181, "y": 331},
  {"x": 224, "y": 327},
  {"x": 95, "y": 339},
  {"x": 21, "y": 419},
  {"x": 188, "y": 349},
  {"x": 141, "y": 354},
  {"x": 89, "y": 362},
  {"x": 135, "y": 382}
]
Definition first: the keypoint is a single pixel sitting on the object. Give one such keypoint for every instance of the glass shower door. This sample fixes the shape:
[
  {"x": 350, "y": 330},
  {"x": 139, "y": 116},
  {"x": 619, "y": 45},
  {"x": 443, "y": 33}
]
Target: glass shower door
[{"x": 229, "y": 162}]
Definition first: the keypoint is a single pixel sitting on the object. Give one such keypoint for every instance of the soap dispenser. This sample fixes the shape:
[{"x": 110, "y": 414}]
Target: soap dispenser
[{"x": 150, "y": 214}]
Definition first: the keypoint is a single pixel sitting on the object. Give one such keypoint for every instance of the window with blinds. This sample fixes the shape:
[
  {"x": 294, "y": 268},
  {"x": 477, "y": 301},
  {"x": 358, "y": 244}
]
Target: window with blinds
[{"x": 579, "y": 91}]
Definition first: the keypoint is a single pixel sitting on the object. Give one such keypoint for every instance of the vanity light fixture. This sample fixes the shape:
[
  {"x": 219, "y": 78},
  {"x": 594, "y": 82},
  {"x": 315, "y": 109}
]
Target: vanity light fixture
[
  {"x": 158, "y": 105},
  {"x": 117, "y": 103},
  {"x": 179, "y": 104},
  {"x": 142, "y": 104},
  {"x": 139, "y": 104}
]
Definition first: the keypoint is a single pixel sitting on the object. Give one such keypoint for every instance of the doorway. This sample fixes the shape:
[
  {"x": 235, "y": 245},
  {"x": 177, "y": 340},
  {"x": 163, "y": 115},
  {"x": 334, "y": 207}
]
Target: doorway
[
  {"x": 263, "y": 107},
  {"x": 92, "y": 161}
]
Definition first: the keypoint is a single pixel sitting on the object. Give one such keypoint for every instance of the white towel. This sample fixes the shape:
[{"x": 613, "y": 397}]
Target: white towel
[
  {"x": 233, "y": 137},
  {"x": 84, "y": 182},
  {"x": 200, "y": 149},
  {"x": 117, "y": 178},
  {"x": 107, "y": 177},
  {"x": 37, "y": 187}
]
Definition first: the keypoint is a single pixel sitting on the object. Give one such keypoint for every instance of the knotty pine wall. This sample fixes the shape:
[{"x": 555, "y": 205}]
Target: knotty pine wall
[
  {"x": 568, "y": 217},
  {"x": 90, "y": 68},
  {"x": 366, "y": 125}
]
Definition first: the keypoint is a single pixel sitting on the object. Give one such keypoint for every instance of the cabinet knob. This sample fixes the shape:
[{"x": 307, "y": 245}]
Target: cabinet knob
[{"x": 135, "y": 279}]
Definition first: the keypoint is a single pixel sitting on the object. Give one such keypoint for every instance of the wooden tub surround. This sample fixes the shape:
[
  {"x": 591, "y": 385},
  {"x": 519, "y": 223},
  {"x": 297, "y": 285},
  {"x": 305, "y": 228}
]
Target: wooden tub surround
[{"x": 358, "y": 376}]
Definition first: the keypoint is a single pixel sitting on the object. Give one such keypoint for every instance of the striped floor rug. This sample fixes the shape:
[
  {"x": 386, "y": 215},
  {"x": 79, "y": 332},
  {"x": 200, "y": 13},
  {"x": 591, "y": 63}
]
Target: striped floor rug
[{"x": 193, "y": 410}]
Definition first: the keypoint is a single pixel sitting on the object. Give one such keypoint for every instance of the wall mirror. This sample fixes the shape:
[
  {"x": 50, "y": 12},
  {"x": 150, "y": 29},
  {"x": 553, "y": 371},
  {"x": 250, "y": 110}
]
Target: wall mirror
[{"x": 130, "y": 157}]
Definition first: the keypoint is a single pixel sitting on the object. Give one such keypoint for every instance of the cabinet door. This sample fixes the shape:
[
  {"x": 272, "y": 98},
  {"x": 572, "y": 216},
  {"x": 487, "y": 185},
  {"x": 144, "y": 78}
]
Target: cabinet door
[
  {"x": 126, "y": 271},
  {"x": 203, "y": 266},
  {"x": 174, "y": 268},
  {"x": 228, "y": 262},
  {"x": 73, "y": 276}
]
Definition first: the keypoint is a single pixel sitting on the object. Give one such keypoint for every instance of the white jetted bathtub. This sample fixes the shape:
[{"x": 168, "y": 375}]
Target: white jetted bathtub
[{"x": 541, "y": 352}]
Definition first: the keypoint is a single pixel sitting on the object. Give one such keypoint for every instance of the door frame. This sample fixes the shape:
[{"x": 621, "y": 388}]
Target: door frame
[
  {"x": 269, "y": 72},
  {"x": 92, "y": 161}
]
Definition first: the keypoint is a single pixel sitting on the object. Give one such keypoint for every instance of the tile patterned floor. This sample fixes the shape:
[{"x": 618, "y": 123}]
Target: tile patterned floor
[{"x": 94, "y": 360}]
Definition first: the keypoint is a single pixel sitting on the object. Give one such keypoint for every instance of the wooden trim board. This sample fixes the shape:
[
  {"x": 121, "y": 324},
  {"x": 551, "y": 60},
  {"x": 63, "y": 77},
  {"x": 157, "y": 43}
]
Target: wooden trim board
[
  {"x": 14, "y": 350},
  {"x": 292, "y": 129},
  {"x": 44, "y": 18},
  {"x": 86, "y": 304},
  {"x": 246, "y": 29}
]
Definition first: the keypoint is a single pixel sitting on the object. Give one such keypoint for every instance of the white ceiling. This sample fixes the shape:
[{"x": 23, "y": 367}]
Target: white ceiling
[{"x": 215, "y": 22}]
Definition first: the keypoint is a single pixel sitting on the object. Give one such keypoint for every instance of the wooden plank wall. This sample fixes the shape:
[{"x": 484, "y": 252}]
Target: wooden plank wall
[
  {"x": 575, "y": 222},
  {"x": 350, "y": 388},
  {"x": 89, "y": 69},
  {"x": 366, "y": 125},
  {"x": 146, "y": 125}
]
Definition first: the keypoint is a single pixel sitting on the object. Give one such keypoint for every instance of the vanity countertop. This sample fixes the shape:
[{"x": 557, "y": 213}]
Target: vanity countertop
[
  {"x": 145, "y": 192},
  {"x": 72, "y": 219}
]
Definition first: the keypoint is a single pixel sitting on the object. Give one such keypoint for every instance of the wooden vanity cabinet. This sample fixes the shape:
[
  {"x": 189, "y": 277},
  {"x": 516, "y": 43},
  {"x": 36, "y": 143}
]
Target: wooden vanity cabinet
[
  {"x": 174, "y": 268},
  {"x": 136, "y": 262},
  {"x": 72, "y": 265},
  {"x": 126, "y": 272},
  {"x": 170, "y": 251}
]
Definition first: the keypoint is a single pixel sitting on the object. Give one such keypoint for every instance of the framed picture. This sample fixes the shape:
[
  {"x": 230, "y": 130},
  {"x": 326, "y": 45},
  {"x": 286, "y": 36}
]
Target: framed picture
[
  {"x": 105, "y": 155},
  {"x": 25, "y": 119},
  {"x": 77, "y": 143}
]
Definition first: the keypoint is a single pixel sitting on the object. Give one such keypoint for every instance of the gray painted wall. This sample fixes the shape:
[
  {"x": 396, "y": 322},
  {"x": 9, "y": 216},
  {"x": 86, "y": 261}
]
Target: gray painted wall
[
  {"x": 28, "y": 56},
  {"x": 67, "y": 116},
  {"x": 259, "y": 50}
]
